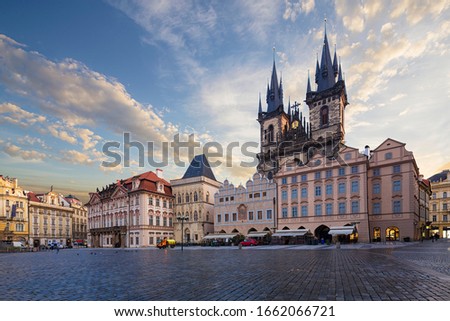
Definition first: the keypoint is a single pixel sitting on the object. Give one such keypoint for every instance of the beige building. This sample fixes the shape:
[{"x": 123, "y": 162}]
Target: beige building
[
  {"x": 194, "y": 201},
  {"x": 440, "y": 204},
  {"x": 135, "y": 212},
  {"x": 13, "y": 211},
  {"x": 79, "y": 221},
  {"x": 248, "y": 211},
  {"x": 50, "y": 218},
  {"x": 377, "y": 195}
]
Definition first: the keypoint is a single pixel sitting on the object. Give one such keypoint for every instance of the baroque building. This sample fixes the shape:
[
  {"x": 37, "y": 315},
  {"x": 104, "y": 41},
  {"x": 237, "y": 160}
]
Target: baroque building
[
  {"x": 440, "y": 204},
  {"x": 13, "y": 211},
  {"x": 50, "y": 218},
  {"x": 133, "y": 212},
  {"x": 194, "y": 201}
]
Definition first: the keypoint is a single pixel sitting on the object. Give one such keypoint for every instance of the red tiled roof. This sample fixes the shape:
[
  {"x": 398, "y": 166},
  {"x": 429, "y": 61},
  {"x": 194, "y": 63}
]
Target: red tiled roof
[{"x": 32, "y": 197}]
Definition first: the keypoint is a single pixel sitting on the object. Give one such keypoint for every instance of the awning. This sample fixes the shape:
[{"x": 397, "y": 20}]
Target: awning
[
  {"x": 341, "y": 230},
  {"x": 300, "y": 232},
  {"x": 257, "y": 234},
  {"x": 219, "y": 236}
]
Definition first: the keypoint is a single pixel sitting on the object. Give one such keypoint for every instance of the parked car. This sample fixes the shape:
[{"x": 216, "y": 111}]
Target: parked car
[{"x": 249, "y": 242}]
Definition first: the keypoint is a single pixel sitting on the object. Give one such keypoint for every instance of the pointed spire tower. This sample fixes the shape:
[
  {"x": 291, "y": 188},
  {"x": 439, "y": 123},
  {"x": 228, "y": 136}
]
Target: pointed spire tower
[
  {"x": 327, "y": 103},
  {"x": 274, "y": 91}
]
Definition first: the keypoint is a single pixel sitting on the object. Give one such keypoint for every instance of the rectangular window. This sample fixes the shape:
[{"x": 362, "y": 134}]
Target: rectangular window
[
  {"x": 318, "y": 191},
  {"x": 284, "y": 180},
  {"x": 137, "y": 240},
  {"x": 434, "y": 207},
  {"x": 397, "y": 207},
  {"x": 284, "y": 195},
  {"x": 329, "y": 173},
  {"x": 269, "y": 214},
  {"x": 294, "y": 194},
  {"x": 131, "y": 240},
  {"x": 434, "y": 218},
  {"x": 376, "y": 188},
  {"x": 355, "y": 169},
  {"x": 165, "y": 204},
  {"x": 284, "y": 212},
  {"x": 304, "y": 210},
  {"x": 445, "y": 218},
  {"x": 342, "y": 209},
  {"x": 294, "y": 211},
  {"x": 444, "y": 206},
  {"x": 396, "y": 169},
  {"x": 164, "y": 221},
  {"x": 294, "y": 179},
  {"x": 227, "y": 217},
  {"x": 259, "y": 215},
  {"x": 341, "y": 188},
  {"x": 318, "y": 209},
  {"x": 150, "y": 220},
  {"x": 250, "y": 216},
  {"x": 355, "y": 207},
  {"x": 150, "y": 240},
  {"x": 376, "y": 172},
  {"x": 341, "y": 171},
  {"x": 329, "y": 189},
  {"x": 317, "y": 175},
  {"x": 329, "y": 208},
  {"x": 396, "y": 186},
  {"x": 376, "y": 208},
  {"x": 219, "y": 218},
  {"x": 355, "y": 186},
  {"x": 234, "y": 217},
  {"x": 304, "y": 178},
  {"x": 304, "y": 192},
  {"x": 158, "y": 221},
  {"x": 157, "y": 202}
]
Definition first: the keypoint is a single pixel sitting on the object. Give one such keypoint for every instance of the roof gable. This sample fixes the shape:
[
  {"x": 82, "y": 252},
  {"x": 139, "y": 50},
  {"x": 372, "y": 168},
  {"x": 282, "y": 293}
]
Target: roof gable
[{"x": 199, "y": 167}]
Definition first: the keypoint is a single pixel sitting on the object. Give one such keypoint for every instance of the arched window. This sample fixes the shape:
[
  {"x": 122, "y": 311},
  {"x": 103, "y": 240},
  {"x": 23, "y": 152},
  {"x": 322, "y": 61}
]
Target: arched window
[
  {"x": 445, "y": 195},
  {"x": 270, "y": 134},
  {"x": 195, "y": 216},
  {"x": 195, "y": 197},
  {"x": 187, "y": 198},
  {"x": 179, "y": 198},
  {"x": 392, "y": 233},
  {"x": 324, "y": 116},
  {"x": 207, "y": 197}
]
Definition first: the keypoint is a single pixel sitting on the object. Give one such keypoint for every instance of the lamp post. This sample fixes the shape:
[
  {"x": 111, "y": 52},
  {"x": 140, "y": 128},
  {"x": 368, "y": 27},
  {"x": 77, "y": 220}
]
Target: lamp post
[{"x": 182, "y": 218}]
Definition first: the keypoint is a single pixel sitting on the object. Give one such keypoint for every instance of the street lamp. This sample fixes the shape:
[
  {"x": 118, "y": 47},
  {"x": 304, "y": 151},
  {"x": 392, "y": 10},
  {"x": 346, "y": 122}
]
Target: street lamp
[{"x": 182, "y": 219}]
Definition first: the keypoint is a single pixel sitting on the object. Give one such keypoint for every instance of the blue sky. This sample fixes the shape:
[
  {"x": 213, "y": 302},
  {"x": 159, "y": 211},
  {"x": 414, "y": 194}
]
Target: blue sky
[{"x": 77, "y": 74}]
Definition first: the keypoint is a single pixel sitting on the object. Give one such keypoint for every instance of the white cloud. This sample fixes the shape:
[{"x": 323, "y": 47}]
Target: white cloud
[
  {"x": 76, "y": 157},
  {"x": 294, "y": 8},
  {"x": 28, "y": 155}
]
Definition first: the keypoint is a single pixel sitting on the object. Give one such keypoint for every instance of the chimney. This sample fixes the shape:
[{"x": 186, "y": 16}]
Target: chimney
[{"x": 159, "y": 173}]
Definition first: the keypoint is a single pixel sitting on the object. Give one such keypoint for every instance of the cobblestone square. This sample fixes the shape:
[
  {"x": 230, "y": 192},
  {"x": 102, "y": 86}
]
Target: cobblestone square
[{"x": 414, "y": 271}]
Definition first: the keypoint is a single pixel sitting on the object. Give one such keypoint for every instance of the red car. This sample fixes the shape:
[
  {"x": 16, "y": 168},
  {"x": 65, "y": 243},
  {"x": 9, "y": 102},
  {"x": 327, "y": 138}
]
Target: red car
[{"x": 249, "y": 242}]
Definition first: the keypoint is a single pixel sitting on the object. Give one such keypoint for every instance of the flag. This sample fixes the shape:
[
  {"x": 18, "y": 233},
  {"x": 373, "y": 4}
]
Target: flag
[{"x": 13, "y": 210}]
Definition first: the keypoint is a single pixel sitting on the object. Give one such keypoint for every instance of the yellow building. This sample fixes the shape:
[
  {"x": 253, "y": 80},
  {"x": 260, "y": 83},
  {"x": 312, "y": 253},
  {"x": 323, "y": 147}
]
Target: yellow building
[
  {"x": 13, "y": 211},
  {"x": 440, "y": 204}
]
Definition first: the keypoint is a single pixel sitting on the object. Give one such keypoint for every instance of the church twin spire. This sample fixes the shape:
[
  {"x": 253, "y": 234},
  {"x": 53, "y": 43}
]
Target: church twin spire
[{"x": 274, "y": 96}]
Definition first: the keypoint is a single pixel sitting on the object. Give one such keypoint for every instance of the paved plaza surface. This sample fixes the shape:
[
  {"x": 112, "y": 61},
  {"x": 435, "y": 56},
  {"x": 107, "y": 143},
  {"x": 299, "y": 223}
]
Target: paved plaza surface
[{"x": 396, "y": 271}]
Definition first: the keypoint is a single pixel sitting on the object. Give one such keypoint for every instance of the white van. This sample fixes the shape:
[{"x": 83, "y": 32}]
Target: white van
[{"x": 18, "y": 244}]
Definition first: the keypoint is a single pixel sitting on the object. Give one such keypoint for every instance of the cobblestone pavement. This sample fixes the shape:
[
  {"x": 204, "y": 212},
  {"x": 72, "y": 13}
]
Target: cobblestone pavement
[{"x": 398, "y": 271}]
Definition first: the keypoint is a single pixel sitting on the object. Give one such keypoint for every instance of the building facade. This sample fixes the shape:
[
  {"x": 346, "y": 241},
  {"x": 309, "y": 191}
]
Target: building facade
[
  {"x": 13, "y": 211},
  {"x": 194, "y": 201},
  {"x": 135, "y": 212},
  {"x": 50, "y": 218},
  {"x": 440, "y": 204},
  {"x": 79, "y": 221},
  {"x": 248, "y": 211}
]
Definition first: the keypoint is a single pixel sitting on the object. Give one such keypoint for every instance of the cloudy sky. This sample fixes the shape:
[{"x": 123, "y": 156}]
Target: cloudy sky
[{"x": 75, "y": 75}]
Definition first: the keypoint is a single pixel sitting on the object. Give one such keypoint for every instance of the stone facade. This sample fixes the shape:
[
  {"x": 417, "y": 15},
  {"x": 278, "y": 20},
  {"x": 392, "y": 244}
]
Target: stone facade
[
  {"x": 245, "y": 210},
  {"x": 135, "y": 212},
  {"x": 13, "y": 211},
  {"x": 440, "y": 204},
  {"x": 50, "y": 219}
]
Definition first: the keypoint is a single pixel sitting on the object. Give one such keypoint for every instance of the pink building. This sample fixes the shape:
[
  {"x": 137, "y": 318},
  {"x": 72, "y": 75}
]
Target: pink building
[
  {"x": 135, "y": 212},
  {"x": 377, "y": 195}
]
